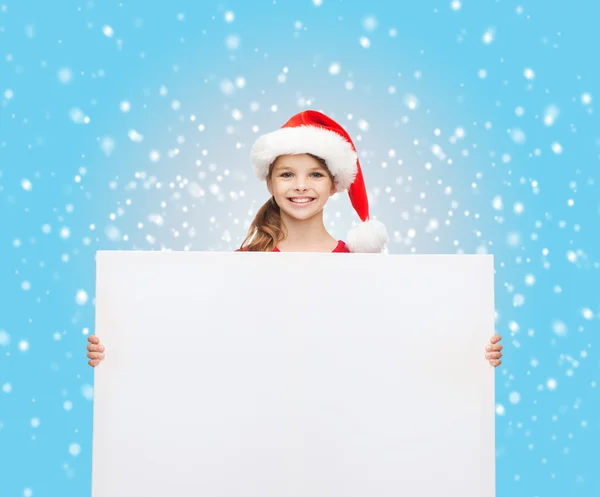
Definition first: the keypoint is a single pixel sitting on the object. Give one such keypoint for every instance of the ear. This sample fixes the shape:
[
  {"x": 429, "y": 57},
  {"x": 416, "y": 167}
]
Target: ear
[{"x": 333, "y": 190}]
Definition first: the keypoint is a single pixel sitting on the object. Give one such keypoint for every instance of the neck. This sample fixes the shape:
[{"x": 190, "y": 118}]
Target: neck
[{"x": 307, "y": 235}]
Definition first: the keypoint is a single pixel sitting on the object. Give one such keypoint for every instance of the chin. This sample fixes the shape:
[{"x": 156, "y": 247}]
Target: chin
[{"x": 301, "y": 216}]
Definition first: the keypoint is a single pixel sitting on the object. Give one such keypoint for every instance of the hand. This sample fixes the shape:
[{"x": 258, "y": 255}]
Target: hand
[
  {"x": 493, "y": 351},
  {"x": 95, "y": 351}
]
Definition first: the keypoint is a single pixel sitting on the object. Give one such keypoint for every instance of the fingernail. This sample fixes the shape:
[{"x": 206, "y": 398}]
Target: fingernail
[
  {"x": 488, "y": 347},
  {"x": 101, "y": 347}
]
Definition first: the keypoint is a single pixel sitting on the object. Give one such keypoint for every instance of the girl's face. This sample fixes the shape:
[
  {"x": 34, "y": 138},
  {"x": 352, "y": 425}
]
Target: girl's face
[{"x": 301, "y": 185}]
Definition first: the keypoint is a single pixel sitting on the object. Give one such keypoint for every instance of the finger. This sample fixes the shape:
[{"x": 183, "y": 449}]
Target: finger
[
  {"x": 495, "y": 338},
  {"x": 95, "y": 355},
  {"x": 491, "y": 347},
  {"x": 95, "y": 348},
  {"x": 495, "y": 362},
  {"x": 93, "y": 339},
  {"x": 94, "y": 363},
  {"x": 493, "y": 355}
]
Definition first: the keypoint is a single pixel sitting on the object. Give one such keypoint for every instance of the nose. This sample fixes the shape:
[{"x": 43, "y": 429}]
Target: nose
[{"x": 300, "y": 185}]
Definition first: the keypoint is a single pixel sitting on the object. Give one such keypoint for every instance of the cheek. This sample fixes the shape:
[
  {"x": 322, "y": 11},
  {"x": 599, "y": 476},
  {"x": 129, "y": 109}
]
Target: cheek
[
  {"x": 326, "y": 189},
  {"x": 277, "y": 190}
]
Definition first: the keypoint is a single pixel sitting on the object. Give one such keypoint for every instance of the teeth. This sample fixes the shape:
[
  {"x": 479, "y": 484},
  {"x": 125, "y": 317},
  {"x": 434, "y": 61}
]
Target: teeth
[{"x": 301, "y": 200}]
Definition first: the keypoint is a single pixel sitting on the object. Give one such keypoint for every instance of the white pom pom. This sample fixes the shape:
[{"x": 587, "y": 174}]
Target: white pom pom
[{"x": 370, "y": 236}]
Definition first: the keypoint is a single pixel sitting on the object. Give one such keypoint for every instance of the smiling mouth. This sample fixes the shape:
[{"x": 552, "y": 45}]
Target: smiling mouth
[{"x": 301, "y": 200}]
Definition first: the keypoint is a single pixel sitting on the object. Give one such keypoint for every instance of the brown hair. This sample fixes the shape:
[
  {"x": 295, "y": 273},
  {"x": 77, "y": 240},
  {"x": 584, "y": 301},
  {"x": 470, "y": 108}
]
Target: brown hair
[{"x": 267, "y": 228}]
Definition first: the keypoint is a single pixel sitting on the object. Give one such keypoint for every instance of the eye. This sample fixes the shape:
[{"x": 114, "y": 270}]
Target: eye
[
  {"x": 285, "y": 175},
  {"x": 319, "y": 175}
]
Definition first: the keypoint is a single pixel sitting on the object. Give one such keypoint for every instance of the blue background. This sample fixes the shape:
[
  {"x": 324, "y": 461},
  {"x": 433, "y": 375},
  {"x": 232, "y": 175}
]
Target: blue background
[{"x": 511, "y": 171}]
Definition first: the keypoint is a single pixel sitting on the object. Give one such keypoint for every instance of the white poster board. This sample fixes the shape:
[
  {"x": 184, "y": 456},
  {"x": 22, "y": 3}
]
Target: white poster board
[{"x": 293, "y": 375}]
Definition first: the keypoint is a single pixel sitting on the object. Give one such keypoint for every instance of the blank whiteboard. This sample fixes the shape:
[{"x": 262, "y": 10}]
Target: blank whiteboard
[{"x": 293, "y": 375}]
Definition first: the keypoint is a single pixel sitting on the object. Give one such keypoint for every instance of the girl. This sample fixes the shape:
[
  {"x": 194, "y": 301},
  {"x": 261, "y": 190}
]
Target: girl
[{"x": 304, "y": 163}]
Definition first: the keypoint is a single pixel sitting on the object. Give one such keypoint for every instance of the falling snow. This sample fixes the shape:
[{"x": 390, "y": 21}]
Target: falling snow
[
  {"x": 529, "y": 73},
  {"x": 81, "y": 297},
  {"x": 560, "y": 328},
  {"x": 65, "y": 75},
  {"x": 124, "y": 150},
  {"x": 370, "y": 23},
  {"x": 489, "y": 36},
  {"x": 456, "y": 5},
  {"x": 74, "y": 449},
  {"x": 87, "y": 391},
  {"x": 364, "y": 42},
  {"x": 232, "y": 42},
  {"x": 335, "y": 68},
  {"x": 551, "y": 114},
  {"x": 135, "y": 136}
]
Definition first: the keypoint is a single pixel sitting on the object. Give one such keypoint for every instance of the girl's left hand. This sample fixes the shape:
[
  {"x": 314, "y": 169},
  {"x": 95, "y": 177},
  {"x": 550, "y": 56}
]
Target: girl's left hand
[{"x": 493, "y": 351}]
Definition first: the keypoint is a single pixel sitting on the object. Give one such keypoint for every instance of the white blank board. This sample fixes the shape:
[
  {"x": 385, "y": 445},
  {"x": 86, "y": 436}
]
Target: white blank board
[{"x": 293, "y": 375}]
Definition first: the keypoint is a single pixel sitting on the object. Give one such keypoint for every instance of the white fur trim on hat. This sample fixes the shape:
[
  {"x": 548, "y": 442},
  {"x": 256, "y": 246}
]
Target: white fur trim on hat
[
  {"x": 370, "y": 236},
  {"x": 328, "y": 145}
]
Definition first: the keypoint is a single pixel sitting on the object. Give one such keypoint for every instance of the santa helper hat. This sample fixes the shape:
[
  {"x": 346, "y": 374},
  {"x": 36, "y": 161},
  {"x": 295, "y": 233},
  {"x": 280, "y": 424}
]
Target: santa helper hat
[{"x": 311, "y": 132}]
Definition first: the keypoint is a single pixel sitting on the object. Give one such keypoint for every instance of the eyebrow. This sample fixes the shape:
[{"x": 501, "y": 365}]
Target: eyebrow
[{"x": 285, "y": 167}]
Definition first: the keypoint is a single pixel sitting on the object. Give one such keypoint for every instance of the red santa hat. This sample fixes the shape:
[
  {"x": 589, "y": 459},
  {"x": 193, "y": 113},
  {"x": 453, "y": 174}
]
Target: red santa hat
[{"x": 311, "y": 132}]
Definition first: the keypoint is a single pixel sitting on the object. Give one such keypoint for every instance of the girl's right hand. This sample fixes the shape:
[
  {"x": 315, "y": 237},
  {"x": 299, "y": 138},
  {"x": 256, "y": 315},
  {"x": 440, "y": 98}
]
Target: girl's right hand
[{"x": 95, "y": 351}]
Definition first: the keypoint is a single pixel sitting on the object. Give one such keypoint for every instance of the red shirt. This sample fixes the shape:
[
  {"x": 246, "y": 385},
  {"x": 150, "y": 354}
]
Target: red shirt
[{"x": 340, "y": 247}]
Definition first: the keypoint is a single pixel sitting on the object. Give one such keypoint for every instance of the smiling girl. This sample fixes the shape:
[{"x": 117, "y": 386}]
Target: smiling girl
[
  {"x": 304, "y": 163},
  {"x": 292, "y": 219}
]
